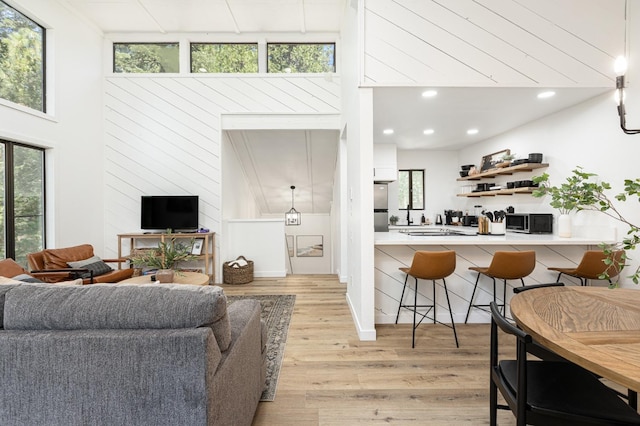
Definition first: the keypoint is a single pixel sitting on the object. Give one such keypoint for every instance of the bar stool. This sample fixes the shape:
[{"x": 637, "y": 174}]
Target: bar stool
[
  {"x": 429, "y": 265},
  {"x": 592, "y": 266},
  {"x": 505, "y": 265}
]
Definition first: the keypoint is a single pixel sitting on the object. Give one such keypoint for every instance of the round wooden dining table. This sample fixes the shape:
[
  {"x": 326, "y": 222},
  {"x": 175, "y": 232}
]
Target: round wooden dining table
[{"x": 595, "y": 327}]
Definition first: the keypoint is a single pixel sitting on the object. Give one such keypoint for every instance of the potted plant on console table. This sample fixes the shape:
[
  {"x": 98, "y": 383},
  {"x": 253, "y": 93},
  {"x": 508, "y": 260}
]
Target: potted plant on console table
[
  {"x": 164, "y": 258},
  {"x": 581, "y": 192}
]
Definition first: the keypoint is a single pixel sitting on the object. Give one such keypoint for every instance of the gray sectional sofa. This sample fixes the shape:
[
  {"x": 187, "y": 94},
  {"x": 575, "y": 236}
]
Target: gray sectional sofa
[{"x": 110, "y": 354}]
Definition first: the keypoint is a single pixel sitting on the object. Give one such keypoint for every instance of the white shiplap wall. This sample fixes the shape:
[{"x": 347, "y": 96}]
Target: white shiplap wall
[
  {"x": 569, "y": 43},
  {"x": 163, "y": 135}
]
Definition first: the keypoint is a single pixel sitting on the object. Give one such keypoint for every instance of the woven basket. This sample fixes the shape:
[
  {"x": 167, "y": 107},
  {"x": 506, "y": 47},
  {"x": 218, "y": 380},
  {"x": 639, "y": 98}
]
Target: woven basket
[{"x": 240, "y": 275}]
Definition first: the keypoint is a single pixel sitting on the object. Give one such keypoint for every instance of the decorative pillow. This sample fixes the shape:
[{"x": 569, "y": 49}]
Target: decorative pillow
[
  {"x": 58, "y": 258},
  {"x": 10, "y": 268},
  {"x": 94, "y": 263},
  {"x": 7, "y": 280},
  {"x": 26, "y": 278}
]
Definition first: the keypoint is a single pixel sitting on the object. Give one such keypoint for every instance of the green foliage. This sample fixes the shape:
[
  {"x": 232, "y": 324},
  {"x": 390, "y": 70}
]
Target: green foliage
[
  {"x": 21, "y": 59},
  {"x": 166, "y": 256},
  {"x": 224, "y": 58},
  {"x": 394, "y": 219},
  {"x": 146, "y": 57},
  {"x": 301, "y": 58},
  {"x": 581, "y": 192}
]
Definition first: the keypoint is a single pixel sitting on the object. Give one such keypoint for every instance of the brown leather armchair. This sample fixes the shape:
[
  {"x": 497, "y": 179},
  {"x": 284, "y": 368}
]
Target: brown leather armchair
[{"x": 58, "y": 260}]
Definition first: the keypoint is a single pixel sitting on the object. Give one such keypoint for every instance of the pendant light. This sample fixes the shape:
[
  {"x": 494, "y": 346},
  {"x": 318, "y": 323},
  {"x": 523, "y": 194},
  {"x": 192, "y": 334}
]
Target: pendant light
[
  {"x": 620, "y": 67},
  {"x": 292, "y": 217}
]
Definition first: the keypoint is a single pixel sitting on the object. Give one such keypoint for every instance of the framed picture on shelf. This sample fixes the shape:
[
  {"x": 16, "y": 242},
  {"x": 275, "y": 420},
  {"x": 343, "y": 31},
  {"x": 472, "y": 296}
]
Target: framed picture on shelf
[
  {"x": 490, "y": 161},
  {"x": 197, "y": 246}
]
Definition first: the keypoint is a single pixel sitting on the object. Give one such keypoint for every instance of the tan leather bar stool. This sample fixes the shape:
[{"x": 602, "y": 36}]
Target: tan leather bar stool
[
  {"x": 505, "y": 265},
  {"x": 429, "y": 265},
  {"x": 592, "y": 266}
]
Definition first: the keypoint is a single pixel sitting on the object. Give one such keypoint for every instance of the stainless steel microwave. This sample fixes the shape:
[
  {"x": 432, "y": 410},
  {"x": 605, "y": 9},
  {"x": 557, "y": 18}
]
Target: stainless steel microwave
[{"x": 530, "y": 223}]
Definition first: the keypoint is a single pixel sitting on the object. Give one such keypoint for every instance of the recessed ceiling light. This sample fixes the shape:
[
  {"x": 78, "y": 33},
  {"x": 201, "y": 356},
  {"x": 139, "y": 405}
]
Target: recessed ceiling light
[
  {"x": 388, "y": 131},
  {"x": 472, "y": 131},
  {"x": 428, "y": 132},
  {"x": 547, "y": 94},
  {"x": 429, "y": 93}
]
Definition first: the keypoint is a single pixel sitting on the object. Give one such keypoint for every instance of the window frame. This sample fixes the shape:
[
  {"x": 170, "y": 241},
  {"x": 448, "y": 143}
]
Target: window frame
[
  {"x": 222, "y": 43},
  {"x": 410, "y": 189},
  {"x": 138, "y": 43},
  {"x": 301, "y": 43},
  {"x": 43, "y": 59},
  {"x": 9, "y": 196}
]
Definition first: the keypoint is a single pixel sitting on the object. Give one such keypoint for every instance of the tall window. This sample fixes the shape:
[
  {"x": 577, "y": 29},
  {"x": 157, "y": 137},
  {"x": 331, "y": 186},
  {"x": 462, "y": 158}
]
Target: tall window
[
  {"x": 22, "y": 70},
  {"x": 411, "y": 189},
  {"x": 22, "y": 201},
  {"x": 146, "y": 57},
  {"x": 301, "y": 57},
  {"x": 224, "y": 58}
]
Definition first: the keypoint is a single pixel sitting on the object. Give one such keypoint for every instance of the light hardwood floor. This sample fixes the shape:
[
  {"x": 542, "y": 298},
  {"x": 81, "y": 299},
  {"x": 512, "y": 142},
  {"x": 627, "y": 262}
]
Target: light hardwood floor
[{"x": 330, "y": 377}]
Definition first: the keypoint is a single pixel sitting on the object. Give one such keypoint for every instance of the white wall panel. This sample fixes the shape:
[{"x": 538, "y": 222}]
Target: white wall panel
[
  {"x": 162, "y": 135},
  {"x": 492, "y": 42}
]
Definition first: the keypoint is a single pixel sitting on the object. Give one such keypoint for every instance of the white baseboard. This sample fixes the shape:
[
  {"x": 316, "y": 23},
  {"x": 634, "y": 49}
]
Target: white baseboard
[{"x": 363, "y": 334}]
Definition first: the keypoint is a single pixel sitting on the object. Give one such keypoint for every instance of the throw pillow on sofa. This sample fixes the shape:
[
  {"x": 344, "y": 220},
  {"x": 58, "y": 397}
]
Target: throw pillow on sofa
[{"x": 94, "y": 263}]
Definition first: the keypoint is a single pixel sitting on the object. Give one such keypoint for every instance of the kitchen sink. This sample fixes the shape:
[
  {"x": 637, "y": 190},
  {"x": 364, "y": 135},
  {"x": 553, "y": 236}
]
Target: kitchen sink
[{"x": 438, "y": 233}]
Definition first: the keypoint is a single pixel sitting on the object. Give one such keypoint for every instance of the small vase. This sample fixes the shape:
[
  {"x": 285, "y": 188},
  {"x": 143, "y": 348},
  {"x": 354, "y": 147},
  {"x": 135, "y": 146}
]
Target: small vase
[
  {"x": 164, "y": 275},
  {"x": 564, "y": 226}
]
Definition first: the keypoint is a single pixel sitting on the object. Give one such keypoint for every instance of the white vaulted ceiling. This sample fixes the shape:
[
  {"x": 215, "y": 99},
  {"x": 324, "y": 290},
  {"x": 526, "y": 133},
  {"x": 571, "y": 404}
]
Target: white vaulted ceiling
[
  {"x": 273, "y": 160},
  {"x": 220, "y": 16}
]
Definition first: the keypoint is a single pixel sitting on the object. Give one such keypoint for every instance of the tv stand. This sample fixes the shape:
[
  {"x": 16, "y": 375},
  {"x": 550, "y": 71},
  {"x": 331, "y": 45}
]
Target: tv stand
[{"x": 208, "y": 247}]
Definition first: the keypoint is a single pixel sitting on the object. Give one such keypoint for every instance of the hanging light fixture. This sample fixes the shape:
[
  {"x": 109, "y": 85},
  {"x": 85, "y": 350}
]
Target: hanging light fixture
[
  {"x": 292, "y": 217},
  {"x": 620, "y": 67}
]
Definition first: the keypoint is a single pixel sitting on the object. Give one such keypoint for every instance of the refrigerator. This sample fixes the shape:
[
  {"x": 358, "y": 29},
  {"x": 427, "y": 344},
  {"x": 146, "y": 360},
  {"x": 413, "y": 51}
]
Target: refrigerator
[{"x": 380, "y": 207}]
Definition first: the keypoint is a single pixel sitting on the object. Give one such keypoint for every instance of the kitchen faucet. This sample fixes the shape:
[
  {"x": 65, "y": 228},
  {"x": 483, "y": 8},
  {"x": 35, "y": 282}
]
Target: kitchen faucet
[{"x": 409, "y": 221}]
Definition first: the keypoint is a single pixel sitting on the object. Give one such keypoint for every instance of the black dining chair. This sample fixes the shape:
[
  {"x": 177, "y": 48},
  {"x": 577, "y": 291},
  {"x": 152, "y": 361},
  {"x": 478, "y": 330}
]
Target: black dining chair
[{"x": 548, "y": 392}]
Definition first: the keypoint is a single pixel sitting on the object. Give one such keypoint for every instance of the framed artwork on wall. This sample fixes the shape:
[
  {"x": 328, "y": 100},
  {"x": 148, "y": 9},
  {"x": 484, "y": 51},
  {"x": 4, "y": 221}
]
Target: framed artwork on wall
[{"x": 309, "y": 246}]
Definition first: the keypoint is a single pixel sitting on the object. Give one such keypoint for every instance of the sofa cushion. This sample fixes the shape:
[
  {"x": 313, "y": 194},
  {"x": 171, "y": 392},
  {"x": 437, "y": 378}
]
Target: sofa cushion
[
  {"x": 59, "y": 258},
  {"x": 26, "y": 278},
  {"x": 113, "y": 306},
  {"x": 5, "y": 285},
  {"x": 10, "y": 268},
  {"x": 93, "y": 264}
]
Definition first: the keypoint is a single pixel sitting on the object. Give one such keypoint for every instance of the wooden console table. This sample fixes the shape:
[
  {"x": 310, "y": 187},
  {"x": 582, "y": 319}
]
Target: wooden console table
[
  {"x": 597, "y": 328},
  {"x": 208, "y": 246}
]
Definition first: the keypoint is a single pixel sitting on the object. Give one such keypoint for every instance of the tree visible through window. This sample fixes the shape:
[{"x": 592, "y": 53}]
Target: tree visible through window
[
  {"x": 411, "y": 189},
  {"x": 224, "y": 58},
  {"x": 21, "y": 59},
  {"x": 301, "y": 58},
  {"x": 146, "y": 57},
  {"x": 22, "y": 201}
]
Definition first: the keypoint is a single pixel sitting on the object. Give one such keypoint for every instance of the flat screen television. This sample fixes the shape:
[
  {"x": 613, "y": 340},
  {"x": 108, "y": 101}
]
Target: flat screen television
[{"x": 176, "y": 212}]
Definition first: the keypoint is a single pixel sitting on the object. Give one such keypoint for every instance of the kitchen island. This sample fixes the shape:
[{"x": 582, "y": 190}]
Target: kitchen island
[{"x": 395, "y": 249}]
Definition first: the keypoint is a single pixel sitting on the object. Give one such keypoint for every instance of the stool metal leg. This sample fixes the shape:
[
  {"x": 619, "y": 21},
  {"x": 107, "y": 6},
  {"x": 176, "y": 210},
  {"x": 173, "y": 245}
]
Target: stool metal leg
[
  {"x": 415, "y": 311},
  {"x": 453, "y": 324},
  {"x": 402, "y": 297},
  {"x": 471, "y": 300}
]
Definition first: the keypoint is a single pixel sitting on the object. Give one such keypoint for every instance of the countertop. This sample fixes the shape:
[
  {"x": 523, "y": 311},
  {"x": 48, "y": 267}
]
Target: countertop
[{"x": 510, "y": 238}]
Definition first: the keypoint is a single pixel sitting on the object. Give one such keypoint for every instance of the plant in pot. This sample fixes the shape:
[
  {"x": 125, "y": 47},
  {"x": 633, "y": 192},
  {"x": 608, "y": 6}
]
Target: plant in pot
[
  {"x": 582, "y": 191},
  {"x": 164, "y": 258},
  {"x": 394, "y": 219},
  {"x": 506, "y": 160}
]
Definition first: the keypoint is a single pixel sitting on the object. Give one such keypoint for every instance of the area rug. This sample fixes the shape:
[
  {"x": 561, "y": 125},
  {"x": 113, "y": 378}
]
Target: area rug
[{"x": 276, "y": 313}]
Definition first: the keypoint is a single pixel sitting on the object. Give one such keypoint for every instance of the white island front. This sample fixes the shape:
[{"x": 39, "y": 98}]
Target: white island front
[{"x": 395, "y": 249}]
